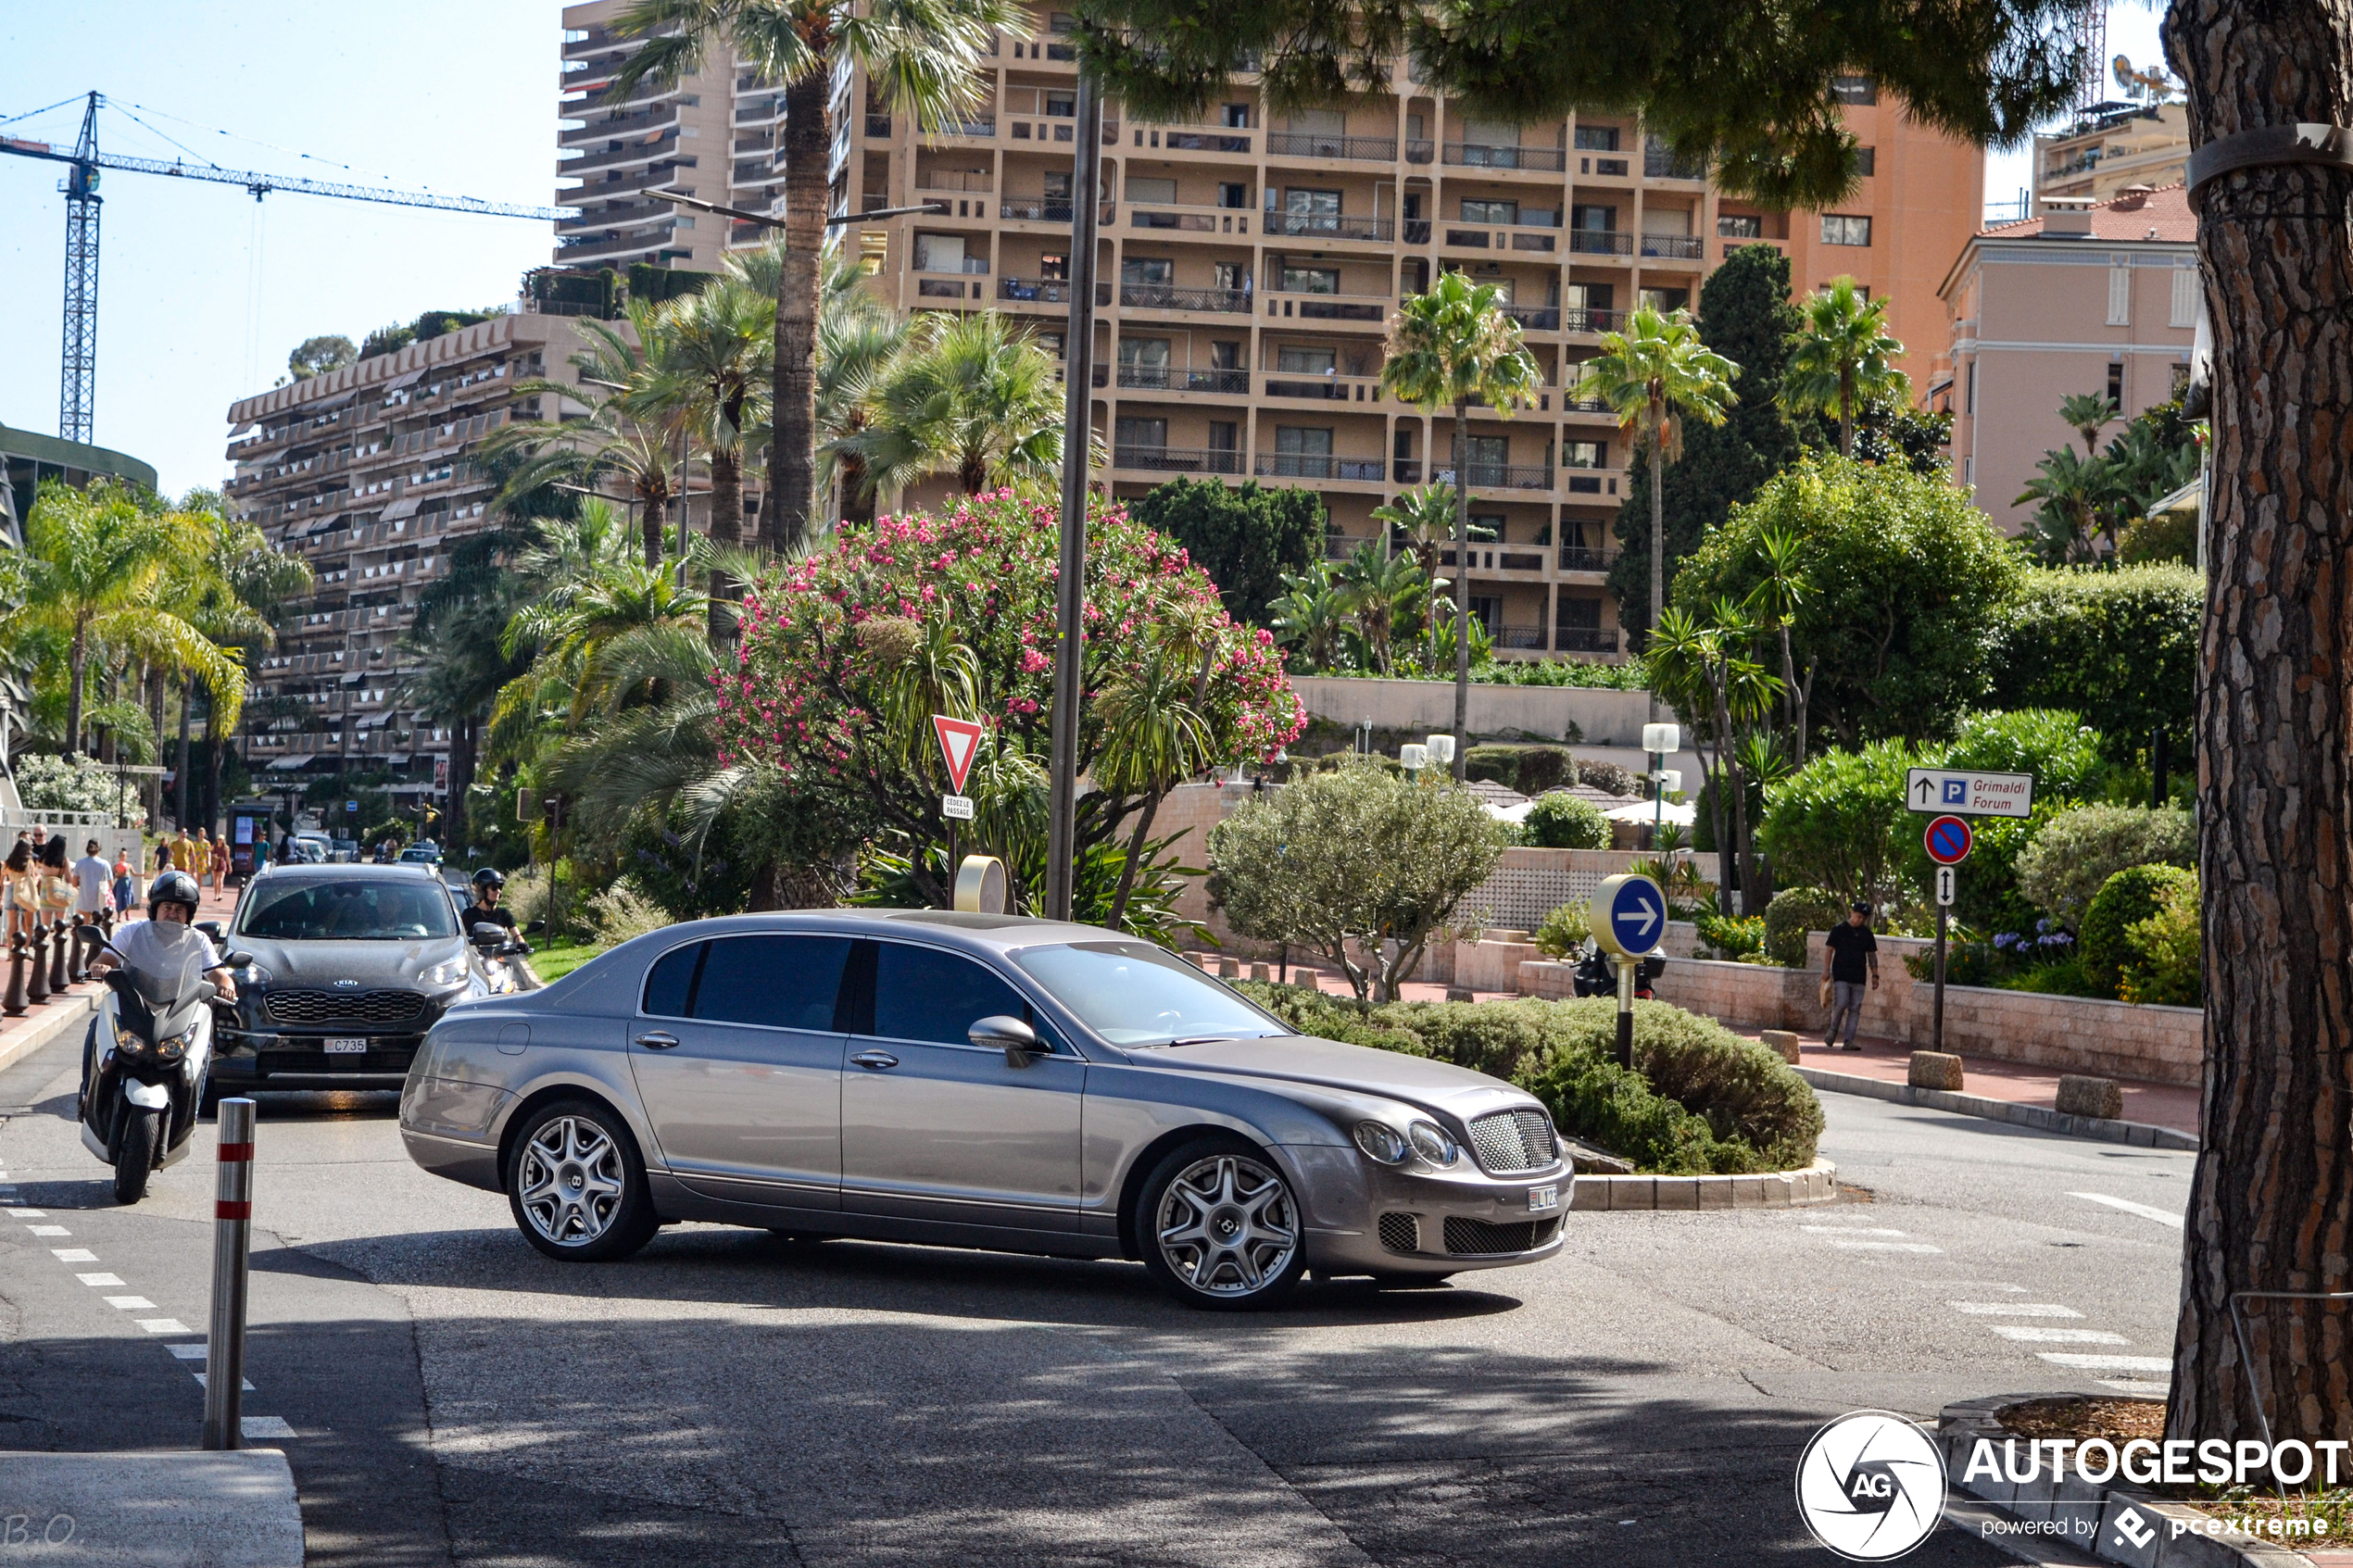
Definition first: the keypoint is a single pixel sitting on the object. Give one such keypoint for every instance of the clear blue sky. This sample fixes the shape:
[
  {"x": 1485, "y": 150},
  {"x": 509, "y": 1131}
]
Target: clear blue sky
[{"x": 424, "y": 94}]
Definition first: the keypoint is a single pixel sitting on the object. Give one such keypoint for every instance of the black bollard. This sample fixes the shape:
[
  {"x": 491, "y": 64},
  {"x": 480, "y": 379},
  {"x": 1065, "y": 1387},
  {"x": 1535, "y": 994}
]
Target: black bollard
[
  {"x": 59, "y": 955},
  {"x": 37, "y": 989},
  {"x": 14, "y": 1005}
]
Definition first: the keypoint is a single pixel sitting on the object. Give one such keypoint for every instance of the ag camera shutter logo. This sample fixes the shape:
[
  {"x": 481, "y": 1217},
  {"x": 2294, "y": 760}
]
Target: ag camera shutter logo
[{"x": 1870, "y": 1486}]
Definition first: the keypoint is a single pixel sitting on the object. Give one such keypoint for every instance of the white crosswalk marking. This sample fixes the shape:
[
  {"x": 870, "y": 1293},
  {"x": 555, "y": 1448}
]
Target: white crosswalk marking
[
  {"x": 99, "y": 1280},
  {"x": 73, "y": 1255},
  {"x": 164, "y": 1325},
  {"x": 2162, "y": 1216},
  {"x": 1886, "y": 1246},
  {"x": 2028, "y": 1335},
  {"x": 48, "y": 1230},
  {"x": 1849, "y": 1230},
  {"x": 2013, "y": 1309},
  {"x": 27, "y": 1214},
  {"x": 2135, "y": 1385},
  {"x": 264, "y": 1427},
  {"x": 2105, "y": 1364},
  {"x": 131, "y": 1303},
  {"x": 187, "y": 1352},
  {"x": 244, "y": 1383}
]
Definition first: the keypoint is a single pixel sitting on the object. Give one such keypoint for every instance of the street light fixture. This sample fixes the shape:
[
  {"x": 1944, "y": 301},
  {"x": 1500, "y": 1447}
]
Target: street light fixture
[{"x": 1658, "y": 740}]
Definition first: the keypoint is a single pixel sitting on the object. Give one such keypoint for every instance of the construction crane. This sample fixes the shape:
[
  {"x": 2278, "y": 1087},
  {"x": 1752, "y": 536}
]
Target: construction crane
[{"x": 78, "y": 374}]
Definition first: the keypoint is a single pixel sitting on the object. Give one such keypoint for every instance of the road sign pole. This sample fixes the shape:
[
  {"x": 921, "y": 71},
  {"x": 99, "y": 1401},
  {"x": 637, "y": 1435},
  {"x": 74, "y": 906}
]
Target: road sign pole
[
  {"x": 1626, "y": 969},
  {"x": 1936, "y": 1028},
  {"x": 952, "y": 863}
]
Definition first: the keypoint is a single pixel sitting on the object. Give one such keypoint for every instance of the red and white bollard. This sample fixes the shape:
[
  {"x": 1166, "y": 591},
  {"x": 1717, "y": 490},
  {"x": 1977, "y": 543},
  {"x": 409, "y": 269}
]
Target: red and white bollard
[{"x": 232, "y": 1245}]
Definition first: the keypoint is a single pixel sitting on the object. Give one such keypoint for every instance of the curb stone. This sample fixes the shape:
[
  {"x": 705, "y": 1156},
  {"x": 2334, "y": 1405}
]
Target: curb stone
[
  {"x": 2140, "y": 1135},
  {"x": 154, "y": 1510},
  {"x": 53, "y": 1020},
  {"x": 1777, "y": 1189},
  {"x": 2152, "y": 1543}
]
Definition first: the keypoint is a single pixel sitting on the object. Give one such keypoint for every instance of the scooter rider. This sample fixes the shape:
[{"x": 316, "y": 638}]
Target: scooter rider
[
  {"x": 164, "y": 943},
  {"x": 486, "y": 910}
]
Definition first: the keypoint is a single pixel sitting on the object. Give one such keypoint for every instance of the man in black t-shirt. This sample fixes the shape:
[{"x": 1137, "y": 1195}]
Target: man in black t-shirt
[
  {"x": 485, "y": 909},
  {"x": 1850, "y": 953}
]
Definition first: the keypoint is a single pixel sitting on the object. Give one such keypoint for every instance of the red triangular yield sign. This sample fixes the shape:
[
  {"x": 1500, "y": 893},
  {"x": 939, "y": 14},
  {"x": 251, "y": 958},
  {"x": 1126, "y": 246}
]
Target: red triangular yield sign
[{"x": 959, "y": 741}]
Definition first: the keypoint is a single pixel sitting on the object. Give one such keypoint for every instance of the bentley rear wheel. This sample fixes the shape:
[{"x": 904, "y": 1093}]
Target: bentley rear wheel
[{"x": 1221, "y": 1228}]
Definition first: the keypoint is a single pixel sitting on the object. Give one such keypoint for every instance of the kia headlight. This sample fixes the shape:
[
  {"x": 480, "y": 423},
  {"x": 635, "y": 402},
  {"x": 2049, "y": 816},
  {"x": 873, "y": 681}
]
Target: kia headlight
[
  {"x": 1431, "y": 1142},
  {"x": 450, "y": 973},
  {"x": 252, "y": 977},
  {"x": 1382, "y": 1142}
]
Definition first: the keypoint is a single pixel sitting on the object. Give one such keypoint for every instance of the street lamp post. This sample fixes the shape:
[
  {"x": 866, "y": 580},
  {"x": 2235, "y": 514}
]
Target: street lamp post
[
  {"x": 1079, "y": 423},
  {"x": 1658, "y": 740}
]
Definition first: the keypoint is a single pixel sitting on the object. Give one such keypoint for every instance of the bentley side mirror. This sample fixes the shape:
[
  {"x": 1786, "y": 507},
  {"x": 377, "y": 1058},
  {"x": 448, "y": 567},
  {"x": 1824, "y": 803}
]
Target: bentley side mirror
[{"x": 1017, "y": 1040}]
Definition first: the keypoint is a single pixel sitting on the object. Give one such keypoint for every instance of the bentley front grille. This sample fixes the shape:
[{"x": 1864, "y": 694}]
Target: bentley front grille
[
  {"x": 1511, "y": 1143},
  {"x": 1469, "y": 1237},
  {"x": 1401, "y": 1233}
]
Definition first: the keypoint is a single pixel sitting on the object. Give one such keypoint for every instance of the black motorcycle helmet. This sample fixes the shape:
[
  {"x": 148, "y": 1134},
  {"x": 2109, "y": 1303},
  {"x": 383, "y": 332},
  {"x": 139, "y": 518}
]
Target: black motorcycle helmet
[
  {"x": 173, "y": 887},
  {"x": 489, "y": 876}
]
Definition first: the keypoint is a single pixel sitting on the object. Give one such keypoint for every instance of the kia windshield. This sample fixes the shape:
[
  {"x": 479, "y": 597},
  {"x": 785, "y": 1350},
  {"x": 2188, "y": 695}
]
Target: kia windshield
[
  {"x": 350, "y": 910},
  {"x": 1133, "y": 994}
]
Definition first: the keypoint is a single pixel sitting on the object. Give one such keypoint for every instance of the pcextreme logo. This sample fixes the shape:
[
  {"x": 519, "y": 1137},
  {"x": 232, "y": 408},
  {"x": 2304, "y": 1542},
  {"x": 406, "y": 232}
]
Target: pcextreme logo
[{"x": 1870, "y": 1486}]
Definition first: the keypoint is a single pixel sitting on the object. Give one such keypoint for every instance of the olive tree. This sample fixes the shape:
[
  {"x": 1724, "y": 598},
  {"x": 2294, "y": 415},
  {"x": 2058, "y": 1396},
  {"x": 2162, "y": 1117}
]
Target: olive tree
[{"x": 1355, "y": 864}]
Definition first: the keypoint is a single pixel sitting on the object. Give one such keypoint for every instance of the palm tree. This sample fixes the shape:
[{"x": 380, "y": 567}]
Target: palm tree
[
  {"x": 969, "y": 395},
  {"x": 1780, "y": 594},
  {"x": 2071, "y": 492},
  {"x": 1705, "y": 667},
  {"x": 1655, "y": 375},
  {"x": 1155, "y": 737},
  {"x": 1306, "y": 617},
  {"x": 1842, "y": 357},
  {"x": 2087, "y": 413},
  {"x": 1379, "y": 593},
  {"x": 857, "y": 336},
  {"x": 1425, "y": 514},
  {"x": 1455, "y": 345},
  {"x": 101, "y": 570},
  {"x": 920, "y": 56}
]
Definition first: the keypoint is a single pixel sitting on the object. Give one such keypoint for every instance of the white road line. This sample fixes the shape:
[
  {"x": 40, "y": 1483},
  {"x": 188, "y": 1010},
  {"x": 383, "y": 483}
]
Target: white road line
[
  {"x": 2013, "y": 1309},
  {"x": 48, "y": 1230},
  {"x": 2162, "y": 1216},
  {"x": 187, "y": 1352},
  {"x": 99, "y": 1279},
  {"x": 73, "y": 1255},
  {"x": 1886, "y": 1246},
  {"x": 244, "y": 1383},
  {"x": 1848, "y": 1230},
  {"x": 27, "y": 1214},
  {"x": 131, "y": 1304},
  {"x": 2027, "y": 1335},
  {"x": 2134, "y": 1385},
  {"x": 164, "y": 1325},
  {"x": 2107, "y": 1363},
  {"x": 264, "y": 1427}
]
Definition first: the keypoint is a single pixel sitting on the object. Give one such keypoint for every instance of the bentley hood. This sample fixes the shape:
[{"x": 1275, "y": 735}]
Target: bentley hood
[{"x": 1328, "y": 1064}]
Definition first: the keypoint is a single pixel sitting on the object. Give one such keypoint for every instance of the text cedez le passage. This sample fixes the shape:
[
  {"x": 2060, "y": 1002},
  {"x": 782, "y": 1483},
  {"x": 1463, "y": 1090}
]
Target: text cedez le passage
[{"x": 2146, "y": 1461}]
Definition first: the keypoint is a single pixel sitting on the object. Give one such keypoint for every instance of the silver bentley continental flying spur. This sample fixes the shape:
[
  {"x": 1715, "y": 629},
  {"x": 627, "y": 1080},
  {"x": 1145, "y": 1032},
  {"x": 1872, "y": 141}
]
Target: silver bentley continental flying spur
[{"x": 970, "y": 1080}]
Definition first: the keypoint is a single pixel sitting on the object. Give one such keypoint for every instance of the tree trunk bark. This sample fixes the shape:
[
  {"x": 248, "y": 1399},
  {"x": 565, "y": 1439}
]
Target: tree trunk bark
[
  {"x": 656, "y": 515},
  {"x": 154, "y": 718},
  {"x": 727, "y": 528},
  {"x": 2271, "y": 1205},
  {"x": 78, "y": 666},
  {"x": 1658, "y": 542},
  {"x": 1135, "y": 853},
  {"x": 789, "y": 505},
  {"x": 2160, "y": 763},
  {"x": 184, "y": 808},
  {"x": 461, "y": 779},
  {"x": 1462, "y": 592}
]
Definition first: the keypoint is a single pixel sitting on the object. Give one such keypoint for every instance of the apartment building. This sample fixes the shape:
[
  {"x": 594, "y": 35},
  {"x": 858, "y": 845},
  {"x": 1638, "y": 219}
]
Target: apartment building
[
  {"x": 1249, "y": 267},
  {"x": 2089, "y": 297},
  {"x": 370, "y": 475},
  {"x": 2110, "y": 146},
  {"x": 712, "y": 136}
]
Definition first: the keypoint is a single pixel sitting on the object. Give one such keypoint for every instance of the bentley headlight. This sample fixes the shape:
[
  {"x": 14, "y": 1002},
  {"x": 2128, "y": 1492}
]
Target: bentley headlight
[
  {"x": 1429, "y": 1141},
  {"x": 1381, "y": 1142}
]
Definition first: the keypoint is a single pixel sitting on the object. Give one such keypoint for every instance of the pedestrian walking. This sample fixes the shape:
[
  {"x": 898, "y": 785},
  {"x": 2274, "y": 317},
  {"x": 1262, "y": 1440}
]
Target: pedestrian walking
[
  {"x": 1850, "y": 955},
  {"x": 91, "y": 894},
  {"x": 125, "y": 899}
]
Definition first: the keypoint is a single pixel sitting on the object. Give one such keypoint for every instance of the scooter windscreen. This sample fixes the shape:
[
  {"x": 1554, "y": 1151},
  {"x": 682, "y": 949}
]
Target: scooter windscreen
[{"x": 164, "y": 977}]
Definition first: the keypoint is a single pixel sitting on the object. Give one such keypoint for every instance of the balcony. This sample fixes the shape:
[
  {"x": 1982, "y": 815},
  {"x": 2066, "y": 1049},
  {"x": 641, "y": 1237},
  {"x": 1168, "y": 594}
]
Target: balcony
[
  {"x": 1586, "y": 557},
  {"x": 1039, "y": 211},
  {"x": 1299, "y": 305},
  {"x": 619, "y": 125},
  {"x": 979, "y": 125},
  {"x": 1167, "y": 378},
  {"x": 878, "y": 127},
  {"x": 585, "y": 249},
  {"x": 1194, "y": 138},
  {"x": 1176, "y": 459},
  {"x": 1470, "y": 155},
  {"x": 1518, "y": 637},
  {"x": 1535, "y": 318},
  {"x": 1320, "y": 465},
  {"x": 1584, "y": 639},
  {"x": 637, "y": 152},
  {"x": 955, "y": 180},
  {"x": 1045, "y": 291},
  {"x": 1417, "y": 230},
  {"x": 1508, "y": 476},
  {"x": 1675, "y": 247},
  {"x": 1577, "y": 319},
  {"x": 1330, "y": 226},
  {"x": 1190, "y": 220},
  {"x": 1600, "y": 242},
  {"x": 1324, "y": 388},
  {"x": 616, "y": 213},
  {"x": 1660, "y": 163},
  {"x": 1418, "y": 151},
  {"x": 1363, "y": 149},
  {"x": 1163, "y": 297}
]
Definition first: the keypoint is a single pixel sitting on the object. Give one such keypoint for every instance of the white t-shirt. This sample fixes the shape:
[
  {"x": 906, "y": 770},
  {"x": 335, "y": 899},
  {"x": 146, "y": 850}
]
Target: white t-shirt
[
  {"x": 172, "y": 952},
  {"x": 97, "y": 885}
]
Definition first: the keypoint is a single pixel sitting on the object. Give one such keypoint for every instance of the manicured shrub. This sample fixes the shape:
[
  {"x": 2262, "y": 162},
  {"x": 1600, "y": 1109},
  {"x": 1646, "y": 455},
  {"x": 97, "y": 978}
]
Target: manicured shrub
[
  {"x": 1839, "y": 822},
  {"x": 1567, "y": 927},
  {"x": 1545, "y": 767},
  {"x": 2166, "y": 966},
  {"x": 1610, "y": 777},
  {"x": 1310, "y": 1011},
  {"x": 2076, "y": 852},
  {"x": 1561, "y": 821},
  {"x": 1792, "y": 913},
  {"x": 2127, "y": 899},
  {"x": 1732, "y": 936}
]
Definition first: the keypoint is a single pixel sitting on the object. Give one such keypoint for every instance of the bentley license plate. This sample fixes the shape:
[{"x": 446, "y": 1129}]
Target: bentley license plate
[
  {"x": 352, "y": 1047},
  {"x": 1543, "y": 1200}
]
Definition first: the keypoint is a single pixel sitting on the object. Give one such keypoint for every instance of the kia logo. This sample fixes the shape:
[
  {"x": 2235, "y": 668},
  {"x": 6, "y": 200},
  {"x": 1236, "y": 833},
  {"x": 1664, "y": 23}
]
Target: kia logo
[{"x": 347, "y": 985}]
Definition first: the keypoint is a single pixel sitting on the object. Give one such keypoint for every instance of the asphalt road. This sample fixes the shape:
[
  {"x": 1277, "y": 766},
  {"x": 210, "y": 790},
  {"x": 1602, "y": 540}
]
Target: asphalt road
[{"x": 726, "y": 1398}]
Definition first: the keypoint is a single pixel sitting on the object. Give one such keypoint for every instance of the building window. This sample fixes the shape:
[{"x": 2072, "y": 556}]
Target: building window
[
  {"x": 1665, "y": 300},
  {"x": 1146, "y": 192},
  {"x": 1305, "y": 362},
  {"x": 1740, "y": 226},
  {"x": 1583, "y": 454},
  {"x": 2185, "y": 299},
  {"x": 2116, "y": 382},
  {"x": 1233, "y": 194},
  {"x": 1597, "y": 138},
  {"x": 1855, "y": 89},
  {"x": 1147, "y": 271},
  {"x": 1840, "y": 229},
  {"x": 1221, "y": 435},
  {"x": 1971, "y": 404},
  {"x": 1231, "y": 275},
  {"x": 1498, "y": 212},
  {"x": 1296, "y": 441},
  {"x": 1237, "y": 116},
  {"x": 1866, "y": 161},
  {"x": 1311, "y": 280},
  {"x": 1054, "y": 268},
  {"x": 1147, "y": 435},
  {"x": 1489, "y": 612},
  {"x": 2119, "y": 291}
]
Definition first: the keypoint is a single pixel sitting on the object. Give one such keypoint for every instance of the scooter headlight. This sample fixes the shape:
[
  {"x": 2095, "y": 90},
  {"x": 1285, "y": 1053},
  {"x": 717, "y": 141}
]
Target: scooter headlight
[
  {"x": 175, "y": 1048},
  {"x": 129, "y": 1041}
]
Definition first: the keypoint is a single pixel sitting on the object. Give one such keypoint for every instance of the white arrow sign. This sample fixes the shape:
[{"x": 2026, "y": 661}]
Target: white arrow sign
[{"x": 1650, "y": 916}]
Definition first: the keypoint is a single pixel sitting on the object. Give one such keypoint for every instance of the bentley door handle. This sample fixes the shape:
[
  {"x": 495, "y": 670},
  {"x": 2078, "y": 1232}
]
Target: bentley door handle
[
  {"x": 656, "y": 1040},
  {"x": 875, "y": 1061}
]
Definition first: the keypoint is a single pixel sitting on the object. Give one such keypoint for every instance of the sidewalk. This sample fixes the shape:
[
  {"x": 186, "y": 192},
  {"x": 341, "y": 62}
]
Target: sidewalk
[{"x": 65, "y": 1009}]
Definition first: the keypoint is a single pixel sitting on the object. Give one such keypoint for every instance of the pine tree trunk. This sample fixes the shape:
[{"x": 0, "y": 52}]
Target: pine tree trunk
[
  {"x": 2271, "y": 1205},
  {"x": 1462, "y": 590},
  {"x": 789, "y": 505},
  {"x": 461, "y": 779}
]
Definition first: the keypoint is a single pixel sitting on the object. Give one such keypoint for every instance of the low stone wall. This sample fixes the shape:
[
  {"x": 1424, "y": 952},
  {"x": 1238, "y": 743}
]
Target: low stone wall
[
  {"x": 1491, "y": 966},
  {"x": 2156, "y": 1045}
]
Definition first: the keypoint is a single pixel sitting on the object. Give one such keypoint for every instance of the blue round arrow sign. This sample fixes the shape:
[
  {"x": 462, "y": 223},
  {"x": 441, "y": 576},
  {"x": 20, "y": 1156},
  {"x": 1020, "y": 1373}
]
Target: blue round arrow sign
[{"x": 1637, "y": 915}]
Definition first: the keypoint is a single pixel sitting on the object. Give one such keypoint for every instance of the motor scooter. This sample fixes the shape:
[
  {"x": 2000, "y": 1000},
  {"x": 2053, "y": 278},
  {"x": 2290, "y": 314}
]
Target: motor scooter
[
  {"x": 501, "y": 955},
  {"x": 1593, "y": 977},
  {"x": 143, "y": 1070}
]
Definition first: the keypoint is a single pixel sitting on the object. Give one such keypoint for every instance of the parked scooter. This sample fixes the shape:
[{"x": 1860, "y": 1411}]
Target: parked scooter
[
  {"x": 1594, "y": 977},
  {"x": 144, "y": 1069}
]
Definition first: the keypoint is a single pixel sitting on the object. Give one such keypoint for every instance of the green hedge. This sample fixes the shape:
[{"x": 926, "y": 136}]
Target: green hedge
[
  {"x": 1561, "y": 821},
  {"x": 2124, "y": 900},
  {"x": 1792, "y": 913},
  {"x": 1702, "y": 1100}
]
